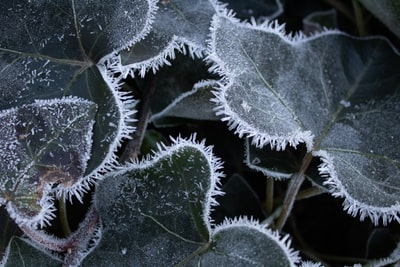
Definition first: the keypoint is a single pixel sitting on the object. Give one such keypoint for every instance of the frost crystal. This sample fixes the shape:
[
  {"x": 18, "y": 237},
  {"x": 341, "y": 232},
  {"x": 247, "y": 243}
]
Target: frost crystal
[{"x": 46, "y": 145}]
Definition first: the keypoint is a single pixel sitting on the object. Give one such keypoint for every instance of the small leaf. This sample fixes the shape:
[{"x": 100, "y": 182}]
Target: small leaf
[
  {"x": 321, "y": 91},
  {"x": 242, "y": 242},
  {"x": 44, "y": 144}
]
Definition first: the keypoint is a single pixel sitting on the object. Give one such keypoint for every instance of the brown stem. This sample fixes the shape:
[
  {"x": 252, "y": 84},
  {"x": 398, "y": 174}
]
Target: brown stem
[
  {"x": 291, "y": 193},
  {"x": 132, "y": 148},
  {"x": 269, "y": 202}
]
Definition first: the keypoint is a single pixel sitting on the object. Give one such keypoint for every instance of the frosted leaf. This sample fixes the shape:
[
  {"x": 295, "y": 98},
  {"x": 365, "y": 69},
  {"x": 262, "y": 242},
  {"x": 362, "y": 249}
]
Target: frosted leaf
[
  {"x": 177, "y": 23},
  {"x": 242, "y": 242},
  {"x": 336, "y": 94},
  {"x": 66, "y": 50},
  {"x": 47, "y": 143},
  {"x": 319, "y": 21},
  {"x": 157, "y": 211},
  {"x": 76, "y": 30}
]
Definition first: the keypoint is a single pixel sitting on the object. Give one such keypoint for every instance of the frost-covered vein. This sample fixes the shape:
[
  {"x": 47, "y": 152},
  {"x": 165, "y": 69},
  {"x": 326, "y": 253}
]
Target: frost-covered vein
[
  {"x": 169, "y": 231},
  {"x": 394, "y": 162},
  {"x": 78, "y": 36},
  {"x": 340, "y": 108},
  {"x": 184, "y": 17},
  {"x": 63, "y": 61},
  {"x": 270, "y": 87}
]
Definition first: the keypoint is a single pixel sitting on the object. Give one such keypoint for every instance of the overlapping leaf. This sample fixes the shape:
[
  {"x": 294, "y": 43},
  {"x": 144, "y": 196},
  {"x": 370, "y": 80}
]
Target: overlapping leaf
[
  {"x": 53, "y": 49},
  {"x": 45, "y": 143},
  {"x": 338, "y": 95},
  {"x": 157, "y": 213}
]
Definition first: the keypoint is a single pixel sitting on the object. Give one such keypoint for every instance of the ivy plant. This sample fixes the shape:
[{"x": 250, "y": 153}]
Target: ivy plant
[{"x": 198, "y": 133}]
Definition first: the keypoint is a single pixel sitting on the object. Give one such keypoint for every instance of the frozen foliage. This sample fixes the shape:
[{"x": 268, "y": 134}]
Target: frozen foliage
[
  {"x": 76, "y": 30},
  {"x": 47, "y": 143},
  {"x": 336, "y": 111},
  {"x": 245, "y": 242},
  {"x": 177, "y": 23},
  {"x": 159, "y": 206}
]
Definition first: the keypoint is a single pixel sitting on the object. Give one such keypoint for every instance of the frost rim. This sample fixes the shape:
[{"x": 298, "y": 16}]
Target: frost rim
[
  {"x": 283, "y": 242},
  {"x": 351, "y": 205},
  {"x": 178, "y": 144}
]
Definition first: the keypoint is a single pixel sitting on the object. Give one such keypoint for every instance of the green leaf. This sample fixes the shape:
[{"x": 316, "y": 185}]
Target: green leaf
[
  {"x": 20, "y": 252},
  {"x": 53, "y": 49},
  {"x": 177, "y": 23},
  {"x": 387, "y": 11},
  {"x": 336, "y": 94},
  {"x": 157, "y": 212},
  {"x": 242, "y": 242},
  {"x": 43, "y": 144}
]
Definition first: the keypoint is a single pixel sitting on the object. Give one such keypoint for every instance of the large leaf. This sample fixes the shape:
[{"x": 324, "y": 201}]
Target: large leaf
[
  {"x": 338, "y": 95},
  {"x": 43, "y": 144},
  {"x": 51, "y": 49},
  {"x": 157, "y": 213}
]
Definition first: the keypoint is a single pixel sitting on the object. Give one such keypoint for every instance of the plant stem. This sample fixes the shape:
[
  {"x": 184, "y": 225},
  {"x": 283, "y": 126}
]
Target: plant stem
[
  {"x": 132, "y": 148},
  {"x": 62, "y": 209},
  {"x": 359, "y": 18},
  {"x": 269, "y": 196},
  {"x": 291, "y": 193}
]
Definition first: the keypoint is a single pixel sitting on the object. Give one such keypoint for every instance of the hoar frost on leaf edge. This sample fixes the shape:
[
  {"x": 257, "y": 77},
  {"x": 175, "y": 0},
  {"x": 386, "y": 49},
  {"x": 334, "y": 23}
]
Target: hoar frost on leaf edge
[
  {"x": 283, "y": 241},
  {"x": 178, "y": 144},
  {"x": 350, "y": 205},
  {"x": 126, "y": 106},
  {"x": 242, "y": 128},
  {"x": 146, "y": 29},
  {"x": 177, "y": 44}
]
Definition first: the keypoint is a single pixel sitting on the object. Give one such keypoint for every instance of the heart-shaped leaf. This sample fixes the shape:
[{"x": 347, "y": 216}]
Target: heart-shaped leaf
[
  {"x": 338, "y": 95},
  {"x": 43, "y": 144},
  {"x": 53, "y": 49},
  {"x": 158, "y": 213}
]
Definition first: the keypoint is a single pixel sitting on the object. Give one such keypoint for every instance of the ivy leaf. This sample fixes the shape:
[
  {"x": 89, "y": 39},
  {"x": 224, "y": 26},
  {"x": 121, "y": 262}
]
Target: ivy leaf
[
  {"x": 53, "y": 49},
  {"x": 242, "y": 242},
  {"x": 336, "y": 94},
  {"x": 43, "y": 144},
  {"x": 387, "y": 11},
  {"x": 157, "y": 213},
  {"x": 177, "y": 23}
]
